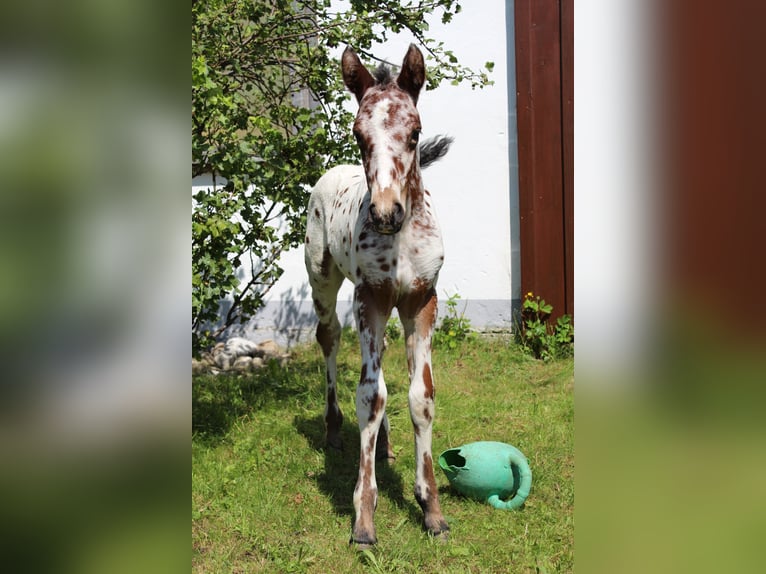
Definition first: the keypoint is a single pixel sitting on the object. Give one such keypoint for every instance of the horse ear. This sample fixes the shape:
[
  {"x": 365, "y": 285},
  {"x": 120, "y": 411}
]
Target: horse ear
[
  {"x": 413, "y": 74},
  {"x": 356, "y": 77}
]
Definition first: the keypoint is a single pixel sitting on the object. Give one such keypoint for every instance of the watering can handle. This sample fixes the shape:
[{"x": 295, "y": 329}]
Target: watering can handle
[{"x": 525, "y": 484}]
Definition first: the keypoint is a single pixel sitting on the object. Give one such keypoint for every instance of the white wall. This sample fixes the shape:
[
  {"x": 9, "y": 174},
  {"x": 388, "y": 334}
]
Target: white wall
[{"x": 474, "y": 187}]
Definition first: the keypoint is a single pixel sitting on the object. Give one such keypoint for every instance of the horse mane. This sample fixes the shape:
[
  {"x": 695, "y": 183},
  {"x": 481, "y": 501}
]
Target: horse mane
[{"x": 382, "y": 75}]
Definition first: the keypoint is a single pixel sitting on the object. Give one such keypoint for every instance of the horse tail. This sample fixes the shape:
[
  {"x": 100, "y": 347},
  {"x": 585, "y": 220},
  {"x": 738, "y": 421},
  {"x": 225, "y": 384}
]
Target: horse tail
[{"x": 434, "y": 149}]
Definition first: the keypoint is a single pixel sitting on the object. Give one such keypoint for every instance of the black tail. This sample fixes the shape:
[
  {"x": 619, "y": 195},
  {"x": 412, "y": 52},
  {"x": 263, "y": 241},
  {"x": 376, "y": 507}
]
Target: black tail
[{"x": 434, "y": 149}]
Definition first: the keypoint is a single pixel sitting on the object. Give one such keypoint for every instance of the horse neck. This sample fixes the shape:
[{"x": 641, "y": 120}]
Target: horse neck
[{"x": 415, "y": 189}]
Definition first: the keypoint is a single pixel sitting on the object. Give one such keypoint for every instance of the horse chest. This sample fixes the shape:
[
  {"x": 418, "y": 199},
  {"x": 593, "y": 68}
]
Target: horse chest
[
  {"x": 414, "y": 254},
  {"x": 409, "y": 257}
]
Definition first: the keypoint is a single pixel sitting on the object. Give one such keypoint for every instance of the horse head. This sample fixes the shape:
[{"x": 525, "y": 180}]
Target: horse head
[{"x": 387, "y": 129}]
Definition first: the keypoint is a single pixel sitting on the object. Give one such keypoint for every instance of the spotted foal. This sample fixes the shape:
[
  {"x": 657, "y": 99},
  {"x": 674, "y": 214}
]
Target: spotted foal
[{"x": 374, "y": 225}]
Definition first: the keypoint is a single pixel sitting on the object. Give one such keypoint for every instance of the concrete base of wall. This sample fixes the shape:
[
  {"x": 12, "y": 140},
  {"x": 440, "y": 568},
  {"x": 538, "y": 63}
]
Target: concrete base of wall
[{"x": 291, "y": 322}]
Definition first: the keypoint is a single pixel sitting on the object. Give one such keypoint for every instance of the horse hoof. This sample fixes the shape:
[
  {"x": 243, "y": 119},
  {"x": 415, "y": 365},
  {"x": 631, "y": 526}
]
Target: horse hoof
[
  {"x": 439, "y": 530},
  {"x": 361, "y": 545}
]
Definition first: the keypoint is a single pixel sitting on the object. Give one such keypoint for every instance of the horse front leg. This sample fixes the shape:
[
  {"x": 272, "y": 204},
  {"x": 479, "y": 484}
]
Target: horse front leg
[
  {"x": 371, "y": 395},
  {"x": 419, "y": 319}
]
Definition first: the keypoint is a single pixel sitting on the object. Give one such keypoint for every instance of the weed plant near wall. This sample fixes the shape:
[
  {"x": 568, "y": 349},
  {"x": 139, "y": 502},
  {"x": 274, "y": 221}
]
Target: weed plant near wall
[
  {"x": 537, "y": 336},
  {"x": 454, "y": 328}
]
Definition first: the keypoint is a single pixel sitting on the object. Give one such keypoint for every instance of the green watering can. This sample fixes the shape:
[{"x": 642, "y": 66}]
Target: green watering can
[{"x": 493, "y": 471}]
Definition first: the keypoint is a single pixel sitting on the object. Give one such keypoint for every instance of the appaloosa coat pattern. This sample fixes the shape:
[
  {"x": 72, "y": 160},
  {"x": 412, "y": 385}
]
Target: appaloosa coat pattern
[{"x": 374, "y": 225}]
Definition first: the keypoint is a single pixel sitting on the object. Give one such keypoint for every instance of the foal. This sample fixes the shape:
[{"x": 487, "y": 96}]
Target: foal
[{"x": 373, "y": 224}]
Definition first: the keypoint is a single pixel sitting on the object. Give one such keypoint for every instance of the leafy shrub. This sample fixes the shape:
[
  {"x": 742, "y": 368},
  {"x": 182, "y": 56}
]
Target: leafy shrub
[
  {"x": 537, "y": 337},
  {"x": 268, "y": 118}
]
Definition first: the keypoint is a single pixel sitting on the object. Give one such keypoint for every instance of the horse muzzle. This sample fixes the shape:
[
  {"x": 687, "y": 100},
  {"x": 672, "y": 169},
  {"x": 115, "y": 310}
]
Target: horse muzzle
[{"x": 389, "y": 222}]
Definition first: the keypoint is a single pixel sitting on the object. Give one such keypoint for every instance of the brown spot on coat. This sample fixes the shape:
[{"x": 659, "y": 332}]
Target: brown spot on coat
[
  {"x": 324, "y": 269},
  {"x": 377, "y": 404},
  {"x": 368, "y": 493},
  {"x": 426, "y": 318},
  {"x": 420, "y": 304},
  {"x": 325, "y": 338},
  {"x": 428, "y": 382},
  {"x": 428, "y": 474},
  {"x": 375, "y": 302},
  {"x": 334, "y": 418}
]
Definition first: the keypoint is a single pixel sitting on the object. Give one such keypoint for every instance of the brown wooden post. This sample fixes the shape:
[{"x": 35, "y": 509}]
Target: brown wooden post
[
  {"x": 567, "y": 130},
  {"x": 544, "y": 98}
]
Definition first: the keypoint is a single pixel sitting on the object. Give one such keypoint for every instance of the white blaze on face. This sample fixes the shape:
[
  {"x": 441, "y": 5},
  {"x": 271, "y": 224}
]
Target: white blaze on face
[{"x": 381, "y": 160}]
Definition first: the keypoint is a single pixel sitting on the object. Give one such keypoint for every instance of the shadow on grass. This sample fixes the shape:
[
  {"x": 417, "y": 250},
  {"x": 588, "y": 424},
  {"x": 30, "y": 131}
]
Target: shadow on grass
[
  {"x": 219, "y": 400},
  {"x": 341, "y": 469}
]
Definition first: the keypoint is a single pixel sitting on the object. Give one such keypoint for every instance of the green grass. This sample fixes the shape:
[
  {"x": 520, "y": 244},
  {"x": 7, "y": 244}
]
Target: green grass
[{"x": 267, "y": 497}]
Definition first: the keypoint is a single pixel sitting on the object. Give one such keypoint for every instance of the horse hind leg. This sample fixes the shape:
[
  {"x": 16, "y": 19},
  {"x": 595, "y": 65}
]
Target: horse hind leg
[
  {"x": 383, "y": 449},
  {"x": 328, "y": 336},
  {"x": 324, "y": 293}
]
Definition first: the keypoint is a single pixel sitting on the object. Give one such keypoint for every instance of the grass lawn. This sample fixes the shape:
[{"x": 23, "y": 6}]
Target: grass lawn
[{"x": 267, "y": 497}]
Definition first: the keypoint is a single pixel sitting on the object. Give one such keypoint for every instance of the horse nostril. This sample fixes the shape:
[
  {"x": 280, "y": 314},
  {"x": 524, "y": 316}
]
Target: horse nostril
[{"x": 398, "y": 212}]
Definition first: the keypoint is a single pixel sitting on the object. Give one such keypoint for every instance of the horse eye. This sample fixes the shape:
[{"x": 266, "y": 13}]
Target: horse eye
[{"x": 414, "y": 137}]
